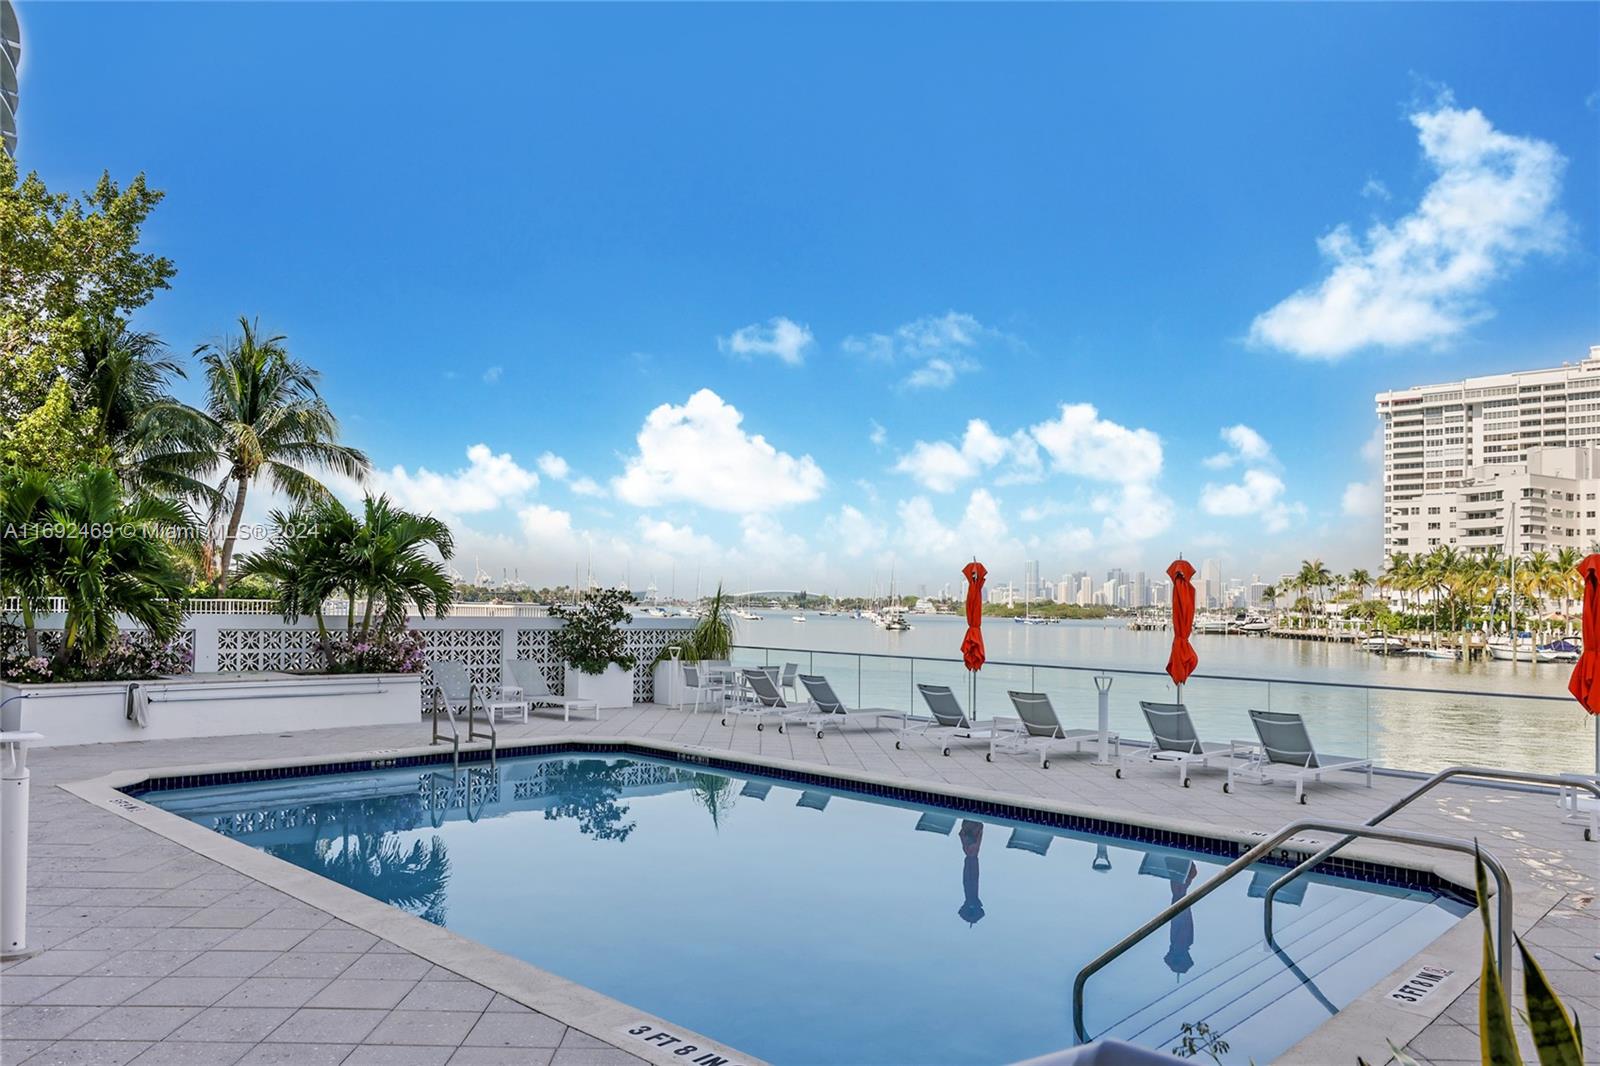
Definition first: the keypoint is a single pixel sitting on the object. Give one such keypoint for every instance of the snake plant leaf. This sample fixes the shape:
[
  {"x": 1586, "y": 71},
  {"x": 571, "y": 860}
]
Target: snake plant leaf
[
  {"x": 1496, "y": 1032},
  {"x": 1400, "y": 1057},
  {"x": 1555, "y": 1036}
]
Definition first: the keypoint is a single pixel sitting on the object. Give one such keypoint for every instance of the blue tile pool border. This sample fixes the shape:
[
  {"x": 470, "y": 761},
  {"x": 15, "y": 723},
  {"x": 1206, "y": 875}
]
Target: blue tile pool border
[{"x": 1352, "y": 869}]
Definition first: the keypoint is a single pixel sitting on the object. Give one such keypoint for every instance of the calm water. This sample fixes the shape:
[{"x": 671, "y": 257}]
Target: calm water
[
  {"x": 1417, "y": 730},
  {"x": 810, "y": 927}
]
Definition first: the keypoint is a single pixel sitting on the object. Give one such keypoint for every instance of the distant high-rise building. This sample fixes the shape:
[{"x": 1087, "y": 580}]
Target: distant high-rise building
[
  {"x": 1085, "y": 591},
  {"x": 10, "y": 63},
  {"x": 1210, "y": 588},
  {"x": 1030, "y": 580}
]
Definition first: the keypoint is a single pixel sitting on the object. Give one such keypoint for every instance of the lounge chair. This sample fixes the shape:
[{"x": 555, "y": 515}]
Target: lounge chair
[
  {"x": 828, "y": 709},
  {"x": 761, "y": 701},
  {"x": 1175, "y": 741},
  {"x": 1037, "y": 729},
  {"x": 949, "y": 721},
  {"x": 936, "y": 822},
  {"x": 789, "y": 682},
  {"x": 755, "y": 791},
  {"x": 536, "y": 691},
  {"x": 1286, "y": 751},
  {"x": 1037, "y": 841},
  {"x": 454, "y": 688}
]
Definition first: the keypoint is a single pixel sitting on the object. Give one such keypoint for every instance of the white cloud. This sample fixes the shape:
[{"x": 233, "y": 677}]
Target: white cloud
[
  {"x": 1138, "y": 512},
  {"x": 544, "y": 526},
  {"x": 553, "y": 466},
  {"x": 852, "y": 532},
  {"x": 1245, "y": 445},
  {"x": 780, "y": 337},
  {"x": 675, "y": 540},
  {"x": 1081, "y": 443},
  {"x": 939, "y": 347},
  {"x": 1375, "y": 189},
  {"x": 941, "y": 466},
  {"x": 982, "y": 530},
  {"x": 488, "y": 481},
  {"x": 1361, "y": 499},
  {"x": 877, "y": 434},
  {"x": 587, "y": 486},
  {"x": 1259, "y": 493},
  {"x": 492, "y": 375},
  {"x": 697, "y": 453},
  {"x": 1492, "y": 202},
  {"x": 765, "y": 538}
]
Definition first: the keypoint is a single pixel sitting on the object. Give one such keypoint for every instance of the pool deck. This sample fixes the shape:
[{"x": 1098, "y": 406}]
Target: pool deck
[{"x": 155, "y": 953}]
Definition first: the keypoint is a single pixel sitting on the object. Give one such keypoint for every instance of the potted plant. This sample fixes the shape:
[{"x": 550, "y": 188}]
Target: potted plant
[
  {"x": 712, "y": 639},
  {"x": 591, "y": 643}
]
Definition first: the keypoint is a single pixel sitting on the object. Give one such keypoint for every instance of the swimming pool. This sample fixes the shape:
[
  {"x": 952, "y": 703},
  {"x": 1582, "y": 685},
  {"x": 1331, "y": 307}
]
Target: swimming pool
[{"x": 807, "y": 924}]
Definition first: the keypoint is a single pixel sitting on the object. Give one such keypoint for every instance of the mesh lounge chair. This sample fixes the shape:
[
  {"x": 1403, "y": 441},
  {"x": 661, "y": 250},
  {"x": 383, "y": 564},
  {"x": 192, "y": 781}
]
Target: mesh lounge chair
[
  {"x": 762, "y": 701},
  {"x": 1286, "y": 751},
  {"x": 828, "y": 709},
  {"x": 536, "y": 691},
  {"x": 949, "y": 721},
  {"x": 1175, "y": 741},
  {"x": 1037, "y": 729},
  {"x": 790, "y": 681}
]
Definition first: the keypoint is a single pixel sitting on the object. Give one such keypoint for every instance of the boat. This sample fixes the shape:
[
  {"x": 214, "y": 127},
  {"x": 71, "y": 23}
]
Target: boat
[
  {"x": 1211, "y": 623},
  {"x": 746, "y": 614},
  {"x": 1524, "y": 651},
  {"x": 797, "y": 618},
  {"x": 1032, "y": 620},
  {"x": 1565, "y": 650},
  {"x": 1384, "y": 645},
  {"x": 1441, "y": 653},
  {"x": 1251, "y": 623},
  {"x": 893, "y": 619}
]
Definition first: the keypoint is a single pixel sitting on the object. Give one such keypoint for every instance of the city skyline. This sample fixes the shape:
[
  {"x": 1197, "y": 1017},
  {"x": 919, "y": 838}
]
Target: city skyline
[{"x": 1066, "y": 307}]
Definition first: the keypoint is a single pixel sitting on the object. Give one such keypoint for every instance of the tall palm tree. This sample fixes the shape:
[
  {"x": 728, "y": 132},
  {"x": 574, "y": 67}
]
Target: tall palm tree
[
  {"x": 268, "y": 421},
  {"x": 1568, "y": 583},
  {"x": 1360, "y": 580},
  {"x": 154, "y": 443},
  {"x": 25, "y": 561},
  {"x": 1313, "y": 577}
]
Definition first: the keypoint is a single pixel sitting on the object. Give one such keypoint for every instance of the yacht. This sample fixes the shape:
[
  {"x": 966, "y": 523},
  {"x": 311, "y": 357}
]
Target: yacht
[
  {"x": 1251, "y": 623},
  {"x": 1565, "y": 650},
  {"x": 893, "y": 619},
  {"x": 1384, "y": 645},
  {"x": 746, "y": 614},
  {"x": 1524, "y": 651},
  {"x": 797, "y": 618},
  {"x": 1210, "y": 623}
]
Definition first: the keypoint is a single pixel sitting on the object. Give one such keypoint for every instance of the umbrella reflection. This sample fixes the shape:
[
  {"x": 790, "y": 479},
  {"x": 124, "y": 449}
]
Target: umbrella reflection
[{"x": 971, "y": 837}]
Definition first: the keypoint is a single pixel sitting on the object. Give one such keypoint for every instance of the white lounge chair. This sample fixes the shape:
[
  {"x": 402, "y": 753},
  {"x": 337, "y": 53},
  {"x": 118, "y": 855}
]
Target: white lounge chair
[
  {"x": 828, "y": 709},
  {"x": 949, "y": 721},
  {"x": 536, "y": 691},
  {"x": 760, "y": 700},
  {"x": 1286, "y": 751},
  {"x": 1174, "y": 740},
  {"x": 1037, "y": 729}
]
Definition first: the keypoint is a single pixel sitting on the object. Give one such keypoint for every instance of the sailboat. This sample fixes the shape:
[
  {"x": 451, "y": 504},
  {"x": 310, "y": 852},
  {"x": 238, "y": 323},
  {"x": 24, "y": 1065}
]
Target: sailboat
[{"x": 893, "y": 618}]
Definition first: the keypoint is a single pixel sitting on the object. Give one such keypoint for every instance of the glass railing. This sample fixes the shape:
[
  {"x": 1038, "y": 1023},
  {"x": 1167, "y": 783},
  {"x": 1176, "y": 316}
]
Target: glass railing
[{"x": 1399, "y": 727}]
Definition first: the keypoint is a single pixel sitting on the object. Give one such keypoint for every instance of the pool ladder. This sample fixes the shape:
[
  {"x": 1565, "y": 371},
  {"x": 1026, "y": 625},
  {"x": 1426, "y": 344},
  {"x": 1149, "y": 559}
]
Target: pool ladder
[
  {"x": 1568, "y": 784},
  {"x": 1265, "y": 848},
  {"x": 439, "y": 702}
]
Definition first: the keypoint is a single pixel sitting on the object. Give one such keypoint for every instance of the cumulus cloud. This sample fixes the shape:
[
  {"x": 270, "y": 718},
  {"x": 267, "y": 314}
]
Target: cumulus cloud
[
  {"x": 1492, "y": 203},
  {"x": 1083, "y": 444},
  {"x": 492, "y": 375},
  {"x": 587, "y": 486},
  {"x": 1361, "y": 499},
  {"x": 675, "y": 540},
  {"x": 1245, "y": 445},
  {"x": 698, "y": 453},
  {"x": 877, "y": 434},
  {"x": 544, "y": 526},
  {"x": 782, "y": 338},
  {"x": 487, "y": 482},
  {"x": 941, "y": 466},
  {"x": 1259, "y": 493},
  {"x": 763, "y": 537},
  {"x": 553, "y": 466},
  {"x": 937, "y": 348},
  {"x": 852, "y": 532},
  {"x": 1137, "y": 512},
  {"x": 982, "y": 530}
]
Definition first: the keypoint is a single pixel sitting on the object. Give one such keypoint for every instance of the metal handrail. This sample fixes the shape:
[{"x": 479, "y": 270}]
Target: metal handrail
[
  {"x": 492, "y": 736},
  {"x": 1504, "y": 925},
  {"x": 1487, "y": 772},
  {"x": 1551, "y": 698}
]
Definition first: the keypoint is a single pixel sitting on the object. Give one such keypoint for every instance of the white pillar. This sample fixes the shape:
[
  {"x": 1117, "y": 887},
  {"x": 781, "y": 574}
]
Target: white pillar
[
  {"x": 1102, "y": 685},
  {"x": 14, "y": 844}
]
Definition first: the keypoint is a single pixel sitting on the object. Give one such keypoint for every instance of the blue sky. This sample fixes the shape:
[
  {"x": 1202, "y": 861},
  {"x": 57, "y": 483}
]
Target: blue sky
[{"x": 983, "y": 280}]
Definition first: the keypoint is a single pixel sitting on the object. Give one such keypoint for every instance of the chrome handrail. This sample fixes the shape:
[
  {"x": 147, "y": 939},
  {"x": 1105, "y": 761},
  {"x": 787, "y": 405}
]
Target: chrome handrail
[
  {"x": 1504, "y": 924},
  {"x": 1487, "y": 772},
  {"x": 1197, "y": 676},
  {"x": 473, "y": 702}
]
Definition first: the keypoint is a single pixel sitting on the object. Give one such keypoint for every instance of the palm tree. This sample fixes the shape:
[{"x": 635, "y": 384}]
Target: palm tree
[
  {"x": 25, "y": 561},
  {"x": 1313, "y": 576},
  {"x": 115, "y": 563},
  {"x": 1568, "y": 584},
  {"x": 154, "y": 443},
  {"x": 1360, "y": 580},
  {"x": 267, "y": 420}
]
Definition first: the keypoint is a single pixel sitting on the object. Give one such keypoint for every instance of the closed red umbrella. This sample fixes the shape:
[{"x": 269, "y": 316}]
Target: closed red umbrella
[
  {"x": 1585, "y": 683},
  {"x": 972, "y": 641},
  {"x": 1183, "y": 660}
]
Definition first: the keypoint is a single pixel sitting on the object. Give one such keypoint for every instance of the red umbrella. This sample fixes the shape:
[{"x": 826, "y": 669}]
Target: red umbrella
[
  {"x": 972, "y": 641},
  {"x": 1183, "y": 660},
  {"x": 1585, "y": 683}
]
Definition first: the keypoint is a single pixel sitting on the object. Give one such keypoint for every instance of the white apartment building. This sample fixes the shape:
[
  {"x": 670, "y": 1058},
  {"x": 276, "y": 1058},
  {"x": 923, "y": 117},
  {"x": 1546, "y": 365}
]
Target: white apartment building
[
  {"x": 1436, "y": 437},
  {"x": 1551, "y": 494}
]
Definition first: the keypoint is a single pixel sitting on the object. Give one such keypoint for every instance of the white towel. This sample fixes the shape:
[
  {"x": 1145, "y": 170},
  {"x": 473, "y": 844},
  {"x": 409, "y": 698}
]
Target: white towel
[{"x": 138, "y": 706}]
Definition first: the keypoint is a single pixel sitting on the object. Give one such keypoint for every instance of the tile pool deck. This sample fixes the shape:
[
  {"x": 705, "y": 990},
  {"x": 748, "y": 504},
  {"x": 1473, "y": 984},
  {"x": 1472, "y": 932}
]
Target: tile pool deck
[{"x": 154, "y": 953}]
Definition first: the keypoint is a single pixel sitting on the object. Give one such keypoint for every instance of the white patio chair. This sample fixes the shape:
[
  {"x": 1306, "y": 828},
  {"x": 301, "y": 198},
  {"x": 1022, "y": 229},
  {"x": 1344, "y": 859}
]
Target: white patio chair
[{"x": 536, "y": 691}]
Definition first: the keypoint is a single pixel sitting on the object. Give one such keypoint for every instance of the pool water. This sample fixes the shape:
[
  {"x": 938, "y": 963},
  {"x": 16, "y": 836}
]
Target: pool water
[{"x": 809, "y": 926}]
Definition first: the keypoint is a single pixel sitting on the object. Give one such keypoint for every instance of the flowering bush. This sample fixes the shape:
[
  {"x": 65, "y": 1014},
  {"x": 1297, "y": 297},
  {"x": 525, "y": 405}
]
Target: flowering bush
[
  {"x": 131, "y": 656},
  {"x": 403, "y": 652}
]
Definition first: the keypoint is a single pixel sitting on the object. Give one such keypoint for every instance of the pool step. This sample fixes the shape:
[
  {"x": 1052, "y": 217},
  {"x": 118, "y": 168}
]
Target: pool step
[
  {"x": 1323, "y": 961},
  {"x": 1311, "y": 926}
]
